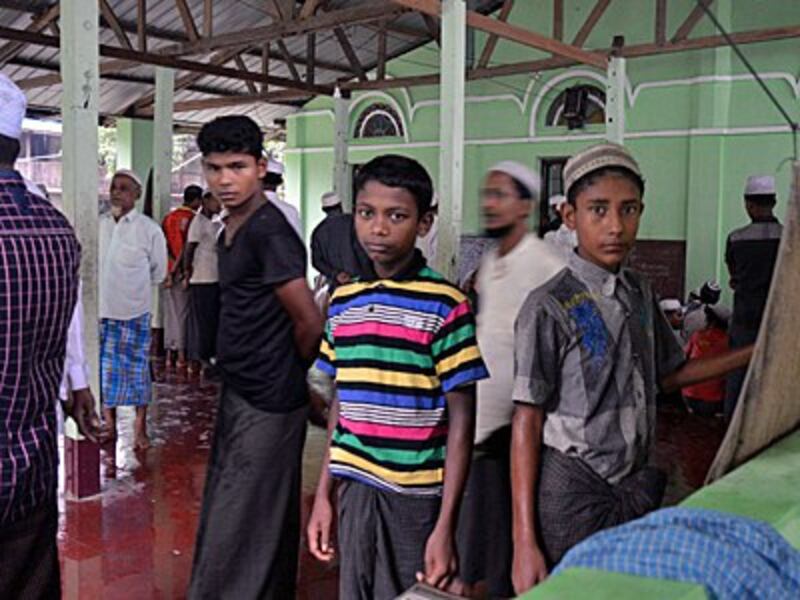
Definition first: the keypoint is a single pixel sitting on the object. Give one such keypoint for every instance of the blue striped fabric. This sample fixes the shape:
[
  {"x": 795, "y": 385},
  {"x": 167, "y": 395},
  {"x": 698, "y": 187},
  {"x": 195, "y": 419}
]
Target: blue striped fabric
[
  {"x": 125, "y": 361},
  {"x": 733, "y": 557}
]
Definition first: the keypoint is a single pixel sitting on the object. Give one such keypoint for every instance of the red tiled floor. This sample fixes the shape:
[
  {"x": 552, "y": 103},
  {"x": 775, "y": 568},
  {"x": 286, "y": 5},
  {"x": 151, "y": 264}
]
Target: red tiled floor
[{"x": 135, "y": 540}]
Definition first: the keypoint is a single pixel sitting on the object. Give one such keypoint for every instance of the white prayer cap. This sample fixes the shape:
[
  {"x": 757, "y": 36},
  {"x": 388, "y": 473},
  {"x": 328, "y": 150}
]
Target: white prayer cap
[
  {"x": 518, "y": 171},
  {"x": 670, "y": 305},
  {"x": 723, "y": 312},
  {"x": 130, "y": 174},
  {"x": 273, "y": 166},
  {"x": 760, "y": 185},
  {"x": 557, "y": 200},
  {"x": 330, "y": 199},
  {"x": 12, "y": 108}
]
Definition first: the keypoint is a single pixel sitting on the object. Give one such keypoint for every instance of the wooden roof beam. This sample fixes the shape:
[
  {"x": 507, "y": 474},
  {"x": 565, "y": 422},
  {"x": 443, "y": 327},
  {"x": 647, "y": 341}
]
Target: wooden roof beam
[
  {"x": 661, "y": 22},
  {"x": 686, "y": 27},
  {"x": 38, "y": 23},
  {"x": 141, "y": 25},
  {"x": 364, "y": 13},
  {"x": 150, "y": 58},
  {"x": 281, "y": 97},
  {"x": 309, "y": 8},
  {"x": 351, "y": 55},
  {"x": 113, "y": 23},
  {"x": 528, "y": 67},
  {"x": 188, "y": 21},
  {"x": 588, "y": 25},
  {"x": 491, "y": 41},
  {"x": 511, "y": 32}
]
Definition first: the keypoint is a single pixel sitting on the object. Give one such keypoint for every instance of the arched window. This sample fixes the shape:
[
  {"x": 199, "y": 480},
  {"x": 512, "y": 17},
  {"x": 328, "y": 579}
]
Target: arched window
[
  {"x": 578, "y": 106},
  {"x": 379, "y": 120}
]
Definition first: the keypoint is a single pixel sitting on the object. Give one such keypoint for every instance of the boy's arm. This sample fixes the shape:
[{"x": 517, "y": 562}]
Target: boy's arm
[
  {"x": 441, "y": 558},
  {"x": 528, "y": 567},
  {"x": 297, "y": 300},
  {"x": 701, "y": 369},
  {"x": 318, "y": 529}
]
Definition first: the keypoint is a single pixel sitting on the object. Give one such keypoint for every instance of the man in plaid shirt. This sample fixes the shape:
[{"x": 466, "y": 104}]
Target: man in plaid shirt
[{"x": 39, "y": 259}]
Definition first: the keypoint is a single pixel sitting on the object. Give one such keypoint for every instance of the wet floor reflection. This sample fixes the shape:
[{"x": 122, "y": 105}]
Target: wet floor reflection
[{"x": 135, "y": 540}]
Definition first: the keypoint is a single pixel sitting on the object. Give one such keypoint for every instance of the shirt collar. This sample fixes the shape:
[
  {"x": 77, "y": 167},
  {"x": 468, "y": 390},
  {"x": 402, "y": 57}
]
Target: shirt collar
[
  {"x": 765, "y": 220},
  {"x": 410, "y": 271},
  {"x": 10, "y": 174},
  {"x": 598, "y": 279}
]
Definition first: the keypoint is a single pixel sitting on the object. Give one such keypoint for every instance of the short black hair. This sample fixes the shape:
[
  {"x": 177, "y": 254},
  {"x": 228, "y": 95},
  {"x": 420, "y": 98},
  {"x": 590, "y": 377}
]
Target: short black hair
[
  {"x": 235, "y": 133},
  {"x": 9, "y": 150},
  {"x": 393, "y": 170},
  {"x": 591, "y": 177},
  {"x": 761, "y": 199},
  {"x": 192, "y": 193}
]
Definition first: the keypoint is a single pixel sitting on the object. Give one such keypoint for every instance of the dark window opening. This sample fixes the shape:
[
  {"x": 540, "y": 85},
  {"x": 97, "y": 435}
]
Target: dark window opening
[
  {"x": 578, "y": 106},
  {"x": 379, "y": 120},
  {"x": 552, "y": 184}
]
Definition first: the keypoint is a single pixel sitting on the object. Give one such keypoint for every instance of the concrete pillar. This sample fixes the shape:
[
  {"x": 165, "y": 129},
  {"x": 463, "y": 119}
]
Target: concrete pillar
[
  {"x": 341, "y": 172},
  {"x": 162, "y": 142},
  {"x": 451, "y": 135},
  {"x": 135, "y": 148},
  {"x": 615, "y": 100},
  {"x": 706, "y": 194},
  {"x": 79, "y": 110}
]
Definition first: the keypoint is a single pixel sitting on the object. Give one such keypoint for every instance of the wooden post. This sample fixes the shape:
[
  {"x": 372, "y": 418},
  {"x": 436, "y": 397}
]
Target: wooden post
[
  {"x": 451, "y": 135},
  {"x": 79, "y": 110}
]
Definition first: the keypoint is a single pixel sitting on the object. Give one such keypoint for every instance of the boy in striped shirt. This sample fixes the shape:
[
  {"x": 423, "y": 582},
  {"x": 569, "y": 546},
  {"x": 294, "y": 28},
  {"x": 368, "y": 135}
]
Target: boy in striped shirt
[{"x": 403, "y": 353}]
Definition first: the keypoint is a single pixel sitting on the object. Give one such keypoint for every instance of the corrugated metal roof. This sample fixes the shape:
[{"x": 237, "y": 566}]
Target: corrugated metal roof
[{"x": 165, "y": 27}]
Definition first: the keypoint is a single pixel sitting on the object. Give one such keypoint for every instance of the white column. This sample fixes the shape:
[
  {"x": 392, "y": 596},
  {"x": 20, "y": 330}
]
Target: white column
[
  {"x": 615, "y": 100},
  {"x": 451, "y": 135},
  {"x": 341, "y": 173},
  {"x": 79, "y": 110},
  {"x": 162, "y": 141},
  {"x": 162, "y": 161}
]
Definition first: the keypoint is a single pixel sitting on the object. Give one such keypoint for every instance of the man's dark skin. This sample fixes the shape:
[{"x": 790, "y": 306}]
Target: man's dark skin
[{"x": 81, "y": 405}]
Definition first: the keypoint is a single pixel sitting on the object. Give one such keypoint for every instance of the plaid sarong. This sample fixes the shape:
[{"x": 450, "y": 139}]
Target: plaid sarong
[{"x": 125, "y": 361}]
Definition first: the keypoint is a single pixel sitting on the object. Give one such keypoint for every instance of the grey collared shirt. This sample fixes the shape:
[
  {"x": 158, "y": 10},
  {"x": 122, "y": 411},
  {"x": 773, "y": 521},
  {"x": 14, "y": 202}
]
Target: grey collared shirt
[{"x": 590, "y": 348}]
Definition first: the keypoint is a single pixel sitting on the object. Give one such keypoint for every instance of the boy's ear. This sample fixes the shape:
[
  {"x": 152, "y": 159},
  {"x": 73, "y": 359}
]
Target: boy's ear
[
  {"x": 425, "y": 223},
  {"x": 261, "y": 167},
  {"x": 568, "y": 214}
]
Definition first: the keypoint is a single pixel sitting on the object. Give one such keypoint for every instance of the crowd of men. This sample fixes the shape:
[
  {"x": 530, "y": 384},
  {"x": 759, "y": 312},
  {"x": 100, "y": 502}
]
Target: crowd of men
[{"x": 470, "y": 440}]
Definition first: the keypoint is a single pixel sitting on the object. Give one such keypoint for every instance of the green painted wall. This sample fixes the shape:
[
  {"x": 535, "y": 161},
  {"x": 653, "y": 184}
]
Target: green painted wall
[
  {"x": 135, "y": 148},
  {"x": 696, "y": 121}
]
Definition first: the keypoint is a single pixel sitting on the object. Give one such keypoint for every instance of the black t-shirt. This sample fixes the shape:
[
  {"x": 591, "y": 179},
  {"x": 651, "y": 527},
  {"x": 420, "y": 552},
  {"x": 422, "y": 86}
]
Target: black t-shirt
[{"x": 256, "y": 352}]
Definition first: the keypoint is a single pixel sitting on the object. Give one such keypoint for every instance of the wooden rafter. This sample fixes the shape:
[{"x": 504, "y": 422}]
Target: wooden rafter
[
  {"x": 311, "y": 57},
  {"x": 351, "y": 55},
  {"x": 208, "y": 18},
  {"x": 381, "y": 66},
  {"x": 287, "y": 57},
  {"x": 432, "y": 25},
  {"x": 141, "y": 25},
  {"x": 106, "y": 68},
  {"x": 372, "y": 11},
  {"x": 558, "y": 20},
  {"x": 39, "y": 23},
  {"x": 251, "y": 86},
  {"x": 265, "y": 66},
  {"x": 113, "y": 23},
  {"x": 212, "y": 103},
  {"x": 511, "y": 32},
  {"x": 491, "y": 41},
  {"x": 588, "y": 25},
  {"x": 188, "y": 20},
  {"x": 661, "y": 22},
  {"x": 528, "y": 67},
  {"x": 309, "y": 8},
  {"x": 686, "y": 27}
]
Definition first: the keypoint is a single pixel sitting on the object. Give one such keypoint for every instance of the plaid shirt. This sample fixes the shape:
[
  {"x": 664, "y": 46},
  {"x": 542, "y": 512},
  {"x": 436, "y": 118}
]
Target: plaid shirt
[{"x": 39, "y": 259}]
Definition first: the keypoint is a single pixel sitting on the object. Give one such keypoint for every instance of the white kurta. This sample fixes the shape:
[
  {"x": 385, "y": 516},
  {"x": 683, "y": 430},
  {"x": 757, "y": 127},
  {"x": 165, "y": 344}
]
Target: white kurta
[{"x": 503, "y": 284}]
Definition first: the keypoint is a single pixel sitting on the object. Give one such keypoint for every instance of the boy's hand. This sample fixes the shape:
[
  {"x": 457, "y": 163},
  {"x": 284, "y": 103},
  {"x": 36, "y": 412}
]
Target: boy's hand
[
  {"x": 528, "y": 567},
  {"x": 441, "y": 560},
  {"x": 319, "y": 529},
  {"x": 80, "y": 407}
]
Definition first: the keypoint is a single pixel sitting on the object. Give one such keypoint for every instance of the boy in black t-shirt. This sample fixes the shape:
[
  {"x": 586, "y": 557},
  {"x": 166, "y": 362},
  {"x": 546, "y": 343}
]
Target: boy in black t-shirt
[{"x": 269, "y": 331}]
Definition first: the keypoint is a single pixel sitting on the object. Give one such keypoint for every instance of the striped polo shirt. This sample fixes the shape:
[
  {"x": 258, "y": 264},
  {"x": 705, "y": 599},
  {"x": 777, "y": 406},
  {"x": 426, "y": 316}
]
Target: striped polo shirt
[{"x": 395, "y": 348}]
